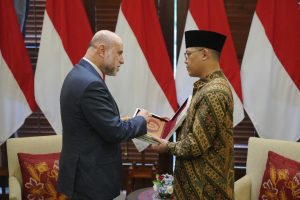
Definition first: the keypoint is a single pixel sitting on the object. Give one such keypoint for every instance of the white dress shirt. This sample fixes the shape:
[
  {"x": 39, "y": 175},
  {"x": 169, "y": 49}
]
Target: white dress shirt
[{"x": 95, "y": 67}]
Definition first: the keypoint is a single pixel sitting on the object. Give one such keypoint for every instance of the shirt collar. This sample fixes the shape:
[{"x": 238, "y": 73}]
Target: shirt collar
[
  {"x": 202, "y": 81},
  {"x": 94, "y": 66}
]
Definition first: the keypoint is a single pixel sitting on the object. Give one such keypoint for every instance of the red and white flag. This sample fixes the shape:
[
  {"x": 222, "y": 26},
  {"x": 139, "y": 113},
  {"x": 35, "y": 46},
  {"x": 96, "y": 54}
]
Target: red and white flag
[
  {"x": 65, "y": 37},
  {"x": 271, "y": 70},
  {"x": 211, "y": 15},
  {"x": 145, "y": 80},
  {"x": 16, "y": 74}
]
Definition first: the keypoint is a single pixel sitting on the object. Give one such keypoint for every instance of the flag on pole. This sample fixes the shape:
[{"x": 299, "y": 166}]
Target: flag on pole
[
  {"x": 211, "y": 15},
  {"x": 145, "y": 80},
  {"x": 16, "y": 74},
  {"x": 65, "y": 37},
  {"x": 271, "y": 70}
]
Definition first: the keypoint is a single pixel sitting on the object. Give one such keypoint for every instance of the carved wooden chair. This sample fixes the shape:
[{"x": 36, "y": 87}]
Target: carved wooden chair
[{"x": 141, "y": 170}]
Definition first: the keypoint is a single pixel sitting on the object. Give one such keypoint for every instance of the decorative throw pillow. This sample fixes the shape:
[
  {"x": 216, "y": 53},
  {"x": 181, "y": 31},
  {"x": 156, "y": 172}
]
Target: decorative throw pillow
[
  {"x": 39, "y": 174},
  {"x": 281, "y": 180}
]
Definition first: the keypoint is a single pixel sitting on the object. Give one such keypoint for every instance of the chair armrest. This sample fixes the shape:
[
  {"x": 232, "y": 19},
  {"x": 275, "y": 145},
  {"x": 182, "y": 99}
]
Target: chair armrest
[
  {"x": 15, "y": 192},
  {"x": 242, "y": 188}
]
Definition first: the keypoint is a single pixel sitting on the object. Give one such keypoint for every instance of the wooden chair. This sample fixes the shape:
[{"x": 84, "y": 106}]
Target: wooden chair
[{"x": 141, "y": 170}]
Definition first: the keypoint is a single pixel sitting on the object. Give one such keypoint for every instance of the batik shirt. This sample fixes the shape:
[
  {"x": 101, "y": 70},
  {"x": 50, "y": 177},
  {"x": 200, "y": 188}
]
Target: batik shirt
[{"x": 204, "y": 148}]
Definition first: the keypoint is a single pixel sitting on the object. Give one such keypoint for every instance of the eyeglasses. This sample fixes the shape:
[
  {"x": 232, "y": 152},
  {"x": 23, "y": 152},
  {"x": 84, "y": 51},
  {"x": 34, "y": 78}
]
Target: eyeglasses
[{"x": 187, "y": 54}]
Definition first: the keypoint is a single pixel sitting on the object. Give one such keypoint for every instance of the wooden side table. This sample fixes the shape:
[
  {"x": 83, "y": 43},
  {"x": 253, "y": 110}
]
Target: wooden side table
[
  {"x": 144, "y": 194},
  {"x": 135, "y": 194}
]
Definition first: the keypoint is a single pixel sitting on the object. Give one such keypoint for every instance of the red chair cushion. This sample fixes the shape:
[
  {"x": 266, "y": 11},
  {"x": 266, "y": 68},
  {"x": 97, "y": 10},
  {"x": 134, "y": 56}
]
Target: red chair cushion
[
  {"x": 281, "y": 178},
  {"x": 39, "y": 174}
]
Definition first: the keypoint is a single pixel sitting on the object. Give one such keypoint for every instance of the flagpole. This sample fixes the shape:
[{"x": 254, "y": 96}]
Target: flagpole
[
  {"x": 175, "y": 39},
  {"x": 174, "y": 62}
]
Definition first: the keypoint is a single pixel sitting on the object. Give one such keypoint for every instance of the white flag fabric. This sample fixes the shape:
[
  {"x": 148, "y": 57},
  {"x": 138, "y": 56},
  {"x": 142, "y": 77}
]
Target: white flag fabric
[
  {"x": 145, "y": 80},
  {"x": 16, "y": 74},
  {"x": 211, "y": 15},
  {"x": 271, "y": 70},
  {"x": 65, "y": 37}
]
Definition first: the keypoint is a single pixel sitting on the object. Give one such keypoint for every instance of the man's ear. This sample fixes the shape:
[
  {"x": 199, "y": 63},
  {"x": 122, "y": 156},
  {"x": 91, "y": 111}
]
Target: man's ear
[
  {"x": 101, "y": 50},
  {"x": 206, "y": 54}
]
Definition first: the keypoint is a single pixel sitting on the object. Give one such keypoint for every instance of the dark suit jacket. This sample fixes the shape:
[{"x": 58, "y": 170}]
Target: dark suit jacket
[{"x": 90, "y": 161}]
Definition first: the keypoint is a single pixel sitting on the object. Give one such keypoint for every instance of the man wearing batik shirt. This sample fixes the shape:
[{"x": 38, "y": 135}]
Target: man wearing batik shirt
[{"x": 204, "y": 147}]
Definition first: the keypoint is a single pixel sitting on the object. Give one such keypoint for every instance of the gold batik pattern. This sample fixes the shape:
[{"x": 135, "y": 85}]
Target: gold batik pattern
[{"x": 204, "y": 148}]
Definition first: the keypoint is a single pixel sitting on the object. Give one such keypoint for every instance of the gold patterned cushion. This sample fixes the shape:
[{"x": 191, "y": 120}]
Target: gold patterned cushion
[
  {"x": 39, "y": 174},
  {"x": 281, "y": 180}
]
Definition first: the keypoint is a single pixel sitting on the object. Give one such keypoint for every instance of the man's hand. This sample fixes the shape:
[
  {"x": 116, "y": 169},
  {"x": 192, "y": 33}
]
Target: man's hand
[
  {"x": 144, "y": 113},
  {"x": 162, "y": 147},
  {"x": 125, "y": 118}
]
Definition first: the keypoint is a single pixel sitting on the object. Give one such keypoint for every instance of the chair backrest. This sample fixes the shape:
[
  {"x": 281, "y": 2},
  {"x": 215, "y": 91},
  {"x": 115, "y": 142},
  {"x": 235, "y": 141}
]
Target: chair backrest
[
  {"x": 258, "y": 149},
  {"x": 141, "y": 170},
  {"x": 33, "y": 145}
]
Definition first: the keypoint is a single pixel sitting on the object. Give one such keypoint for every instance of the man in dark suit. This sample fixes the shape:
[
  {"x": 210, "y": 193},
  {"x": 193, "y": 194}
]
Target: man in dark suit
[{"x": 90, "y": 162}]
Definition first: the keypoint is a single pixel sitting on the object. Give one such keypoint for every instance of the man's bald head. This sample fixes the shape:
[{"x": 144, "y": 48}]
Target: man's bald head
[
  {"x": 106, "y": 52},
  {"x": 104, "y": 37}
]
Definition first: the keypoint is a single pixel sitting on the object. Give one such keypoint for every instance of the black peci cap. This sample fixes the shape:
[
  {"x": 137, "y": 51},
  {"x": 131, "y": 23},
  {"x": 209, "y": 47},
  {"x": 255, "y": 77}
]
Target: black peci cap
[{"x": 208, "y": 39}]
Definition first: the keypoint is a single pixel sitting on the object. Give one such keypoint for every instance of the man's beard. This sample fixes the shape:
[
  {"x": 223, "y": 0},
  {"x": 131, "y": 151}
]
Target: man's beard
[{"x": 108, "y": 68}]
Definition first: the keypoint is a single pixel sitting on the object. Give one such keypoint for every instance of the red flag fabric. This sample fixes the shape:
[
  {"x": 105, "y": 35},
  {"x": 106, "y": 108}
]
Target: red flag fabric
[
  {"x": 211, "y": 15},
  {"x": 65, "y": 37},
  {"x": 270, "y": 70},
  {"x": 16, "y": 74}
]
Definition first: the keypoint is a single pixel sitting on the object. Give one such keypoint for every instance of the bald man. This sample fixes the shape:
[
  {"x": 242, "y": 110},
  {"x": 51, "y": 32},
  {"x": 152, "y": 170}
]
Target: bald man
[{"x": 90, "y": 161}]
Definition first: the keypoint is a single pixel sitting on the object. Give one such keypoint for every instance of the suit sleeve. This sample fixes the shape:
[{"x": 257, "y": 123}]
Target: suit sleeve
[{"x": 101, "y": 112}]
